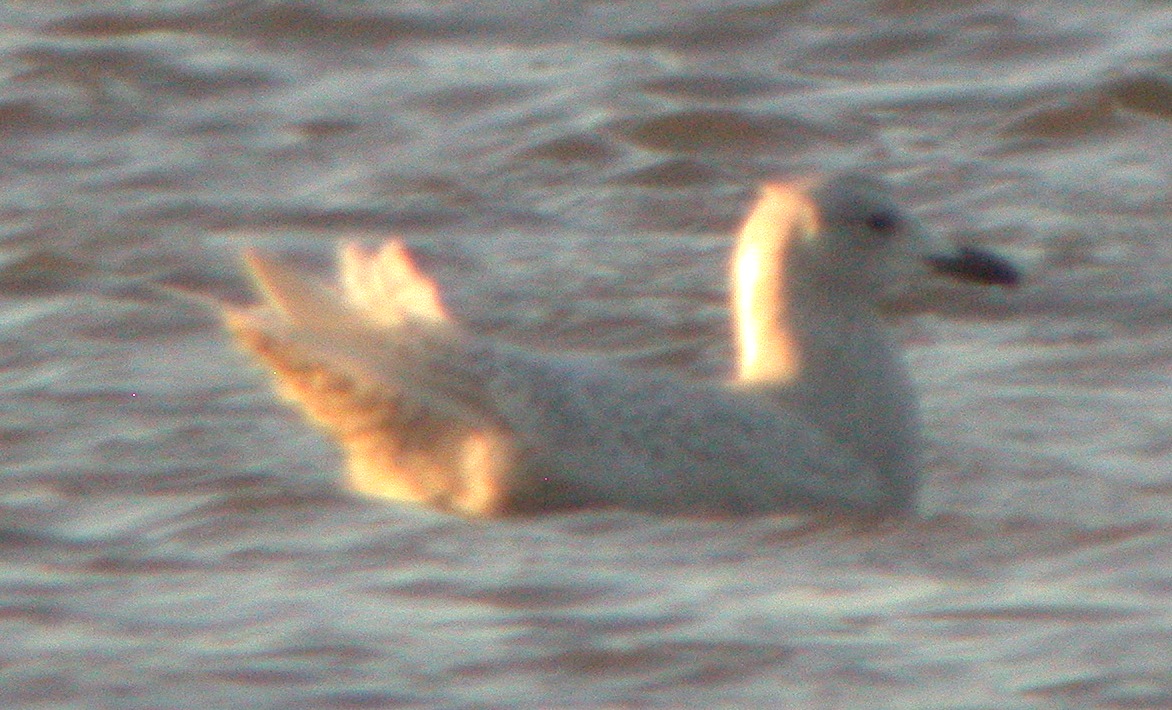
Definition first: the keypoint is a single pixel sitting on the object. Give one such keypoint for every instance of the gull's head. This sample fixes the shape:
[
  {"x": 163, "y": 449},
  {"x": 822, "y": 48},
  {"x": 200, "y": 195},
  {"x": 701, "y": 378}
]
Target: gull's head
[
  {"x": 848, "y": 232},
  {"x": 838, "y": 244}
]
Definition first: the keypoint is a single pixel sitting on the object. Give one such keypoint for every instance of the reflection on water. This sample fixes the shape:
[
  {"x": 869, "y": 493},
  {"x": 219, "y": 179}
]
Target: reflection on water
[{"x": 172, "y": 537}]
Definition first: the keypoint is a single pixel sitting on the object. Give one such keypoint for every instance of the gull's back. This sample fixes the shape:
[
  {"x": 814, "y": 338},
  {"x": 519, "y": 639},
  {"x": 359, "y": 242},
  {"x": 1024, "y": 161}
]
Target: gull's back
[{"x": 429, "y": 413}]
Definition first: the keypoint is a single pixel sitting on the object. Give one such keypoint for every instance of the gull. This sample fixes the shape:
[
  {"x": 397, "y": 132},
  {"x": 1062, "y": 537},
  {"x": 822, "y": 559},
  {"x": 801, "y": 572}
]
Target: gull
[{"x": 819, "y": 416}]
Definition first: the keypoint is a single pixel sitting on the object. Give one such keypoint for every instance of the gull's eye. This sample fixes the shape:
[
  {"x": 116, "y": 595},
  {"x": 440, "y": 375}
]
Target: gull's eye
[{"x": 881, "y": 222}]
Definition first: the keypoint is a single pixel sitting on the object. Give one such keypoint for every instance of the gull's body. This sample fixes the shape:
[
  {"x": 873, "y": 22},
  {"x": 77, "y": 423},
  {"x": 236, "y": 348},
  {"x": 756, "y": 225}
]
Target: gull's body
[{"x": 820, "y": 416}]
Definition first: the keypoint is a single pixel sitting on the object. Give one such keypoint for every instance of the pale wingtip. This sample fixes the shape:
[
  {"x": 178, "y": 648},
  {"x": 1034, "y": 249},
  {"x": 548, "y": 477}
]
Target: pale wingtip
[
  {"x": 187, "y": 295},
  {"x": 266, "y": 273},
  {"x": 300, "y": 297},
  {"x": 235, "y": 318}
]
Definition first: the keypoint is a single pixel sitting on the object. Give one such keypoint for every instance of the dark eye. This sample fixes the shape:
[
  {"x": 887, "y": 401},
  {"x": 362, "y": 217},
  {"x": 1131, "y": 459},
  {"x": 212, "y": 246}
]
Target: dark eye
[{"x": 881, "y": 221}]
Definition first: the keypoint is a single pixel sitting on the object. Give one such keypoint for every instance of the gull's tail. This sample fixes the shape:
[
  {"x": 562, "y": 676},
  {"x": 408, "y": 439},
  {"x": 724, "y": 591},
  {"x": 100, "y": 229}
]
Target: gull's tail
[{"x": 382, "y": 367}]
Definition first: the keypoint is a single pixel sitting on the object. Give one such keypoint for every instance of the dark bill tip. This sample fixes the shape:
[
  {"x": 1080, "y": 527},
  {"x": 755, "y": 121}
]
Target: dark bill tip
[{"x": 977, "y": 265}]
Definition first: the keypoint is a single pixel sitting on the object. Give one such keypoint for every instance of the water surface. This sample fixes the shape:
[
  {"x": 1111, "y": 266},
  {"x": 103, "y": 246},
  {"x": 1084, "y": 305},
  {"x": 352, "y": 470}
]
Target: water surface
[{"x": 172, "y": 536}]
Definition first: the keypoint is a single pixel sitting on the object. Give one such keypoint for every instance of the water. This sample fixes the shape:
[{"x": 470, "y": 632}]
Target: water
[{"x": 173, "y": 537}]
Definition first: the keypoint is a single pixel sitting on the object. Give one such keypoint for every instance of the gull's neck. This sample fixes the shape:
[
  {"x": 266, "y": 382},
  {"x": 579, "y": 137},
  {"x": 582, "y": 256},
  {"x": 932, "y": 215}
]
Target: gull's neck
[
  {"x": 819, "y": 346},
  {"x": 767, "y": 346}
]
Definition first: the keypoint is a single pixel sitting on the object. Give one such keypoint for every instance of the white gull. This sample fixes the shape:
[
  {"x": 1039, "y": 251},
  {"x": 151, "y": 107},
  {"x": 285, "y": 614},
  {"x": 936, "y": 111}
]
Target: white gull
[{"x": 820, "y": 416}]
